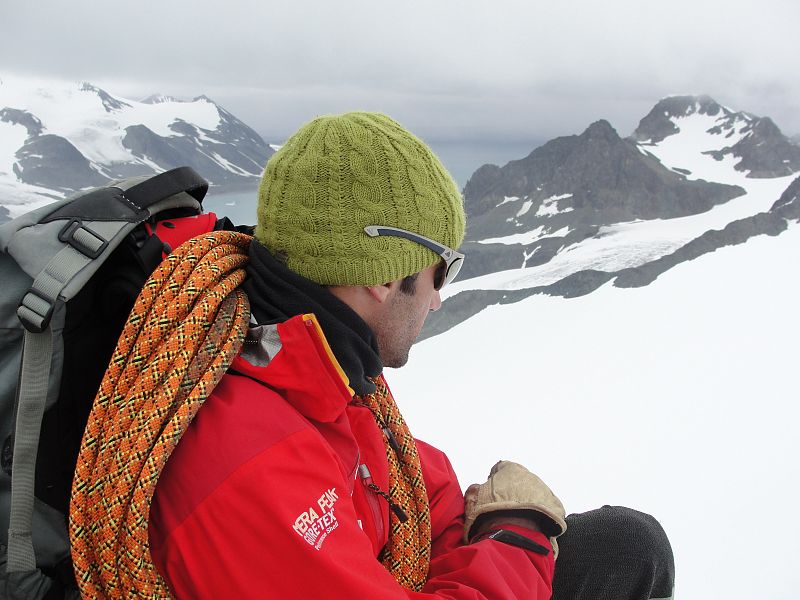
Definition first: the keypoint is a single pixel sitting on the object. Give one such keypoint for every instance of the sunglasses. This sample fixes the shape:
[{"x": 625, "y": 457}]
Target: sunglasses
[{"x": 453, "y": 260}]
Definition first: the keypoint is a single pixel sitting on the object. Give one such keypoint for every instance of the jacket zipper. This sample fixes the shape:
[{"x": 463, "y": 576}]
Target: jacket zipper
[
  {"x": 372, "y": 501},
  {"x": 354, "y": 472}
]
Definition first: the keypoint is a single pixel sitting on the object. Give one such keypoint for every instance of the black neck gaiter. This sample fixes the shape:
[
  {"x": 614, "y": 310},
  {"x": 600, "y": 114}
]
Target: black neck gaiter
[{"x": 276, "y": 294}]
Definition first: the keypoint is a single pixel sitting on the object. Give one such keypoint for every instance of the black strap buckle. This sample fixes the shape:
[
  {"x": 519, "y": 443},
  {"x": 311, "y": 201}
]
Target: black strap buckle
[
  {"x": 83, "y": 239},
  {"x": 40, "y": 306}
]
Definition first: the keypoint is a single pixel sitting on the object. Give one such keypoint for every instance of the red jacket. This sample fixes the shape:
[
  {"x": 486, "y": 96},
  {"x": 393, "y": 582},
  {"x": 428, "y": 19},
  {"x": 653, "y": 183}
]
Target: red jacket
[{"x": 262, "y": 497}]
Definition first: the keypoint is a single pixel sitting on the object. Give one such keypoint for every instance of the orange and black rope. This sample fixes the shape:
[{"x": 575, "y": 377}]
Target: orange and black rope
[
  {"x": 184, "y": 330},
  {"x": 407, "y": 553}
]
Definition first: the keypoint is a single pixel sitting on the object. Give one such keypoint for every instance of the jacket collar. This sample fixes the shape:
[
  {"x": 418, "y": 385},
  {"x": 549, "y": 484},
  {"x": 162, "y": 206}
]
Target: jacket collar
[
  {"x": 295, "y": 359},
  {"x": 277, "y": 294}
]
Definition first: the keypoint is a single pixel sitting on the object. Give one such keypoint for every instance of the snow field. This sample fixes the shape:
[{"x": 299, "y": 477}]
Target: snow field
[{"x": 678, "y": 399}]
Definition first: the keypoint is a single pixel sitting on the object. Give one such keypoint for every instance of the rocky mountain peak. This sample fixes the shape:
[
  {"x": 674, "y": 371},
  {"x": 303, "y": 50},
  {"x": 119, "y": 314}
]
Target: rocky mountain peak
[
  {"x": 683, "y": 106},
  {"x": 659, "y": 123},
  {"x": 110, "y": 103},
  {"x": 601, "y": 131},
  {"x": 756, "y": 143}
]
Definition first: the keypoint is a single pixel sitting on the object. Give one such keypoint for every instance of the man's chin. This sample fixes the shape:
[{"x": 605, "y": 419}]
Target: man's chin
[{"x": 395, "y": 362}]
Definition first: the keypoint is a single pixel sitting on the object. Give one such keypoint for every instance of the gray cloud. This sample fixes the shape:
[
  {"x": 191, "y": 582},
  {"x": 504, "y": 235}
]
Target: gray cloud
[{"x": 449, "y": 69}]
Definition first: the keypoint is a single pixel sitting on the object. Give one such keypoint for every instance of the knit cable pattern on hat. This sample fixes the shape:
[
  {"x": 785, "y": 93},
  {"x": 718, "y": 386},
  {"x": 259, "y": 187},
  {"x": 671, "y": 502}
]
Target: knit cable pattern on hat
[
  {"x": 407, "y": 553},
  {"x": 185, "y": 328},
  {"x": 339, "y": 174}
]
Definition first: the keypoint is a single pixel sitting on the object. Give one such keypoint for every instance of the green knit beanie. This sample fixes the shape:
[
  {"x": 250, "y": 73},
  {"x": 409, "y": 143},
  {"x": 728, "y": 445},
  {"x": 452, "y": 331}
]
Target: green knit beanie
[{"x": 340, "y": 173}]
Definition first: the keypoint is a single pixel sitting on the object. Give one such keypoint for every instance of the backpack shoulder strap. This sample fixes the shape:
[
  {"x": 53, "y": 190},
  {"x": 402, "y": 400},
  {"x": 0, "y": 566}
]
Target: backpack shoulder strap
[{"x": 31, "y": 400}]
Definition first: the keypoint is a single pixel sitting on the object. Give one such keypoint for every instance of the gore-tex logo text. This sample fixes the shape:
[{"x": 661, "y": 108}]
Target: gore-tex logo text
[{"x": 315, "y": 524}]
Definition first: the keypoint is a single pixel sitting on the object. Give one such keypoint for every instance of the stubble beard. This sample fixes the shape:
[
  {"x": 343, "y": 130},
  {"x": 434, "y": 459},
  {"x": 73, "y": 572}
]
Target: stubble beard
[{"x": 398, "y": 334}]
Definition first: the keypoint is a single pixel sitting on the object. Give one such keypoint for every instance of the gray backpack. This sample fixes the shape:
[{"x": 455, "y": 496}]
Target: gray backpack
[{"x": 70, "y": 272}]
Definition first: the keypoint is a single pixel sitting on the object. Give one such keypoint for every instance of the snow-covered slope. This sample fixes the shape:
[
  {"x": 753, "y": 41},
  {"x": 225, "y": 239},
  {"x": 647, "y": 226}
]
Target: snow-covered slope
[
  {"x": 679, "y": 398},
  {"x": 56, "y": 138}
]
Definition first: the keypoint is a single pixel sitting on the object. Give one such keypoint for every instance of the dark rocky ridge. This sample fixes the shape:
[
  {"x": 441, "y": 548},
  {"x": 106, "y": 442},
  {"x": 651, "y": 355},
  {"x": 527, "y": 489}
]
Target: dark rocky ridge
[
  {"x": 772, "y": 222},
  {"x": 233, "y": 141},
  {"x": 588, "y": 180},
  {"x": 22, "y": 117},
  {"x": 788, "y": 205},
  {"x": 766, "y": 152},
  {"x": 52, "y": 162},
  {"x": 608, "y": 178},
  {"x": 763, "y": 151}
]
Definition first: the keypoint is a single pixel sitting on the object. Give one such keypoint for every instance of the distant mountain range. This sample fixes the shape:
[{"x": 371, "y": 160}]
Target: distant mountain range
[
  {"x": 576, "y": 213},
  {"x": 584, "y": 210},
  {"x": 57, "y": 139}
]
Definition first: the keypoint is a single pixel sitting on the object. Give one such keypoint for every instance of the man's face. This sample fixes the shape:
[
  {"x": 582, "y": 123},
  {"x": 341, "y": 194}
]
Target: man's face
[{"x": 401, "y": 320}]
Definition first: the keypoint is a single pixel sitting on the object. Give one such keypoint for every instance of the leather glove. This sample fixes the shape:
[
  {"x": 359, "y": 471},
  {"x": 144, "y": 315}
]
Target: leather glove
[{"x": 511, "y": 486}]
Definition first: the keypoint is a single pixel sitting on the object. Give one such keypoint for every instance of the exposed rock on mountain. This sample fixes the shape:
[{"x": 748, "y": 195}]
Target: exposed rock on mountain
[
  {"x": 20, "y": 117},
  {"x": 52, "y": 162},
  {"x": 772, "y": 222},
  {"x": 65, "y": 138},
  {"x": 765, "y": 152},
  {"x": 231, "y": 152},
  {"x": 756, "y": 144},
  {"x": 564, "y": 190},
  {"x": 159, "y": 99},
  {"x": 659, "y": 123},
  {"x": 597, "y": 175},
  {"x": 788, "y": 205}
]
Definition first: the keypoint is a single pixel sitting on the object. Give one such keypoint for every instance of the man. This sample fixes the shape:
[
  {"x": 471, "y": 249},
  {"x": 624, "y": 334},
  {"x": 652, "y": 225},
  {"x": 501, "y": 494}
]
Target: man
[{"x": 299, "y": 478}]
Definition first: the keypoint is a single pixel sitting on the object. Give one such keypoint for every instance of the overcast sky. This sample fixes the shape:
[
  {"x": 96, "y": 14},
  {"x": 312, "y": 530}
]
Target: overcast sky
[{"x": 451, "y": 70}]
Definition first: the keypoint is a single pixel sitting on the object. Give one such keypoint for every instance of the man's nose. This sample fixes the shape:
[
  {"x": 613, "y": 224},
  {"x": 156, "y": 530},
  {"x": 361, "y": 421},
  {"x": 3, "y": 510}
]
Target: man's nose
[{"x": 436, "y": 301}]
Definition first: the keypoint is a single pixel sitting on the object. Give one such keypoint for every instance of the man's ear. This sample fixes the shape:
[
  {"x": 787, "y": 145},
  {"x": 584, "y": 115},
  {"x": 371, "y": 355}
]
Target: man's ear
[{"x": 381, "y": 292}]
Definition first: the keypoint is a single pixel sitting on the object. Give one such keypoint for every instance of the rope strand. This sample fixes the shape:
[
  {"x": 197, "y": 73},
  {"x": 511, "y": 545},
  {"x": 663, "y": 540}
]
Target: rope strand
[
  {"x": 407, "y": 553},
  {"x": 184, "y": 330}
]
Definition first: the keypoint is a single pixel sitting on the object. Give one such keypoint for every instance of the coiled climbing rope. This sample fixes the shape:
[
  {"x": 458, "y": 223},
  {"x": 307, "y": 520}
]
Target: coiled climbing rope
[{"x": 183, "y": 332}]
